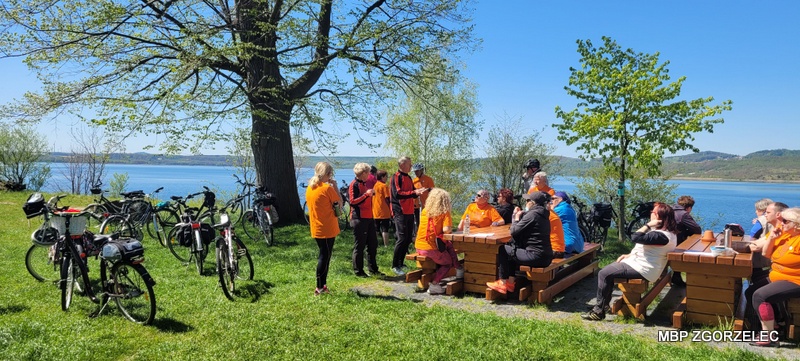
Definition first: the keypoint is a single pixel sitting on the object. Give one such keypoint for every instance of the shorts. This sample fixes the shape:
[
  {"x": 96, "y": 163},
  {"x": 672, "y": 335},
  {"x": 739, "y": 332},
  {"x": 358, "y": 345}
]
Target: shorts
[{"x": 383, "y": 224}]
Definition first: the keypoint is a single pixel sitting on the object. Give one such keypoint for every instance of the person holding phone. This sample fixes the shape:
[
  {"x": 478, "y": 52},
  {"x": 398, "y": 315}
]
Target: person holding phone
[{"x": 646, "y": 261}]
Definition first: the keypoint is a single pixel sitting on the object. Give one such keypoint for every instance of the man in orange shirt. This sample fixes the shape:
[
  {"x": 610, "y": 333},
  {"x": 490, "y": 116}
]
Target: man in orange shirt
[
  {"x": 380, "y": 205},
  {"x": 421, "y": 181},
  {"x": 481, "y": 213}
]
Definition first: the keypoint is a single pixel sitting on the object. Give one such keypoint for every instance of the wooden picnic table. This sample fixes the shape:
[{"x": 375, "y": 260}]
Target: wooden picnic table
[
  {"x": 713, "y": 284},
  {"x": 480, "y": 254}
]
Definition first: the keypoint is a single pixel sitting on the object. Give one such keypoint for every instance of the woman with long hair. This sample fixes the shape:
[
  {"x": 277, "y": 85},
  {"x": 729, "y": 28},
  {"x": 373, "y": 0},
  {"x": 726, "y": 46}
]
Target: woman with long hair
[
  {"x": 434, "y": 221},
  {"x": 646, "y": 261},
  {"x": 323, "y": 202}
]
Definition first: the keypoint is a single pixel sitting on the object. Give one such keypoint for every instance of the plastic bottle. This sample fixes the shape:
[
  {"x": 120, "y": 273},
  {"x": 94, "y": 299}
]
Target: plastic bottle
[{"x": 466, "y": 224}]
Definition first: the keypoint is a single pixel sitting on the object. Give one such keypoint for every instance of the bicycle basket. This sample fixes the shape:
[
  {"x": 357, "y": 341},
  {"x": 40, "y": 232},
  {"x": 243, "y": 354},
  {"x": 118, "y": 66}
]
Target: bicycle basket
[
  {"x": 76, "y": 224},
  {"x": 34, "y": 205},
  {"x": 602, "y": 214},
  {"x": 643, "y": 209}
]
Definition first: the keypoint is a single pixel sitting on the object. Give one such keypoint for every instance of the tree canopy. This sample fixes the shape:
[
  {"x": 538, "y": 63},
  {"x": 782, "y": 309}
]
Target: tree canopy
[
  {"x": 628, "y": 112},
  {"x": 188, "y": 69}
]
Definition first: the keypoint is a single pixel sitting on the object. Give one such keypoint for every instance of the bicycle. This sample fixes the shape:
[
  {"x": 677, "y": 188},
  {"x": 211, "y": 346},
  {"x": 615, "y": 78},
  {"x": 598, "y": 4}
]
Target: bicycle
[
  {"x": 103, "y": 207},
  {"x": 143, "y": 214},
  {"x": 257, "y": 222},
  {"x": 640, "y": 215},
  {"x": 595, "y": 222},
  {"x": 233, "y": 258},
  {"x": 42, "y": 260},
  {"x": 127, "y": 282},
  {"x": 188, "y": 240},
  {"x": 241, "y": 201}
]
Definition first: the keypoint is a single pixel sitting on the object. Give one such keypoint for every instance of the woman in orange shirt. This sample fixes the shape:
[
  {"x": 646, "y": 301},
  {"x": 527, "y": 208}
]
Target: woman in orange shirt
[
  {"x": 481, "y": 213},
  {"x": 323, "y": 199},
  {"x": 434, "y": 221},
  {"x": 540, "y": 184},
  {"x": 783, "y": 247}
]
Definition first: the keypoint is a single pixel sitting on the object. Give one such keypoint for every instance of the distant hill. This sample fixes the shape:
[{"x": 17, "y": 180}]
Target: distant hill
[{"x": 777, "y": 165}]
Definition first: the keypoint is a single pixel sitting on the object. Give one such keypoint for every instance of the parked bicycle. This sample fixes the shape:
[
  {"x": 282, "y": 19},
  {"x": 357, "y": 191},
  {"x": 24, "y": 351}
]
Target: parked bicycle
[
  {"x": 42, "y": 259},
  {"x": 188, "y": 241},
  {"x": 241, "y": 202},
  {"x": 595, "y": 221},
  {"x": 233, "y": 259},
  {"x": 639, "y": 217},
  {"x": 257, "y": 222},
  {"x": 141, "y": 213},
  {"x": 104, "y": 207}
]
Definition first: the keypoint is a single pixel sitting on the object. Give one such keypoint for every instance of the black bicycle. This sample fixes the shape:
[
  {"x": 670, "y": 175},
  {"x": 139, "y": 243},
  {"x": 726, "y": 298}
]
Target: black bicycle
[
  {"x": 142, "y": 213},
  {"x": 594, "y": 222},
  {"x": 258, "y": 221},
  {"x": 639, "y": 217},
  {"x": 188, "y": 241},
  {"x": 233, "y": 259},
  {"x": 241, "y": 202},
  {"x": 104, "y": 207}
]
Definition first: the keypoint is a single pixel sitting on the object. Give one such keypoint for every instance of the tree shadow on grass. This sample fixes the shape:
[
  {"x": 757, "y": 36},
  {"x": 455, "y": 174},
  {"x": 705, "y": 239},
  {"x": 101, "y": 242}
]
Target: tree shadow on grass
[
  {"x": 252, "y": 291},
  {"x": 7, "y": 310},
  {"x": 171, "y": 325}
]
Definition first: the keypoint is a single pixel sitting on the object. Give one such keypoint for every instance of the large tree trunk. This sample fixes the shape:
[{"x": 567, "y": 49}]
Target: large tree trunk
[{"x": 274, "y": 161}]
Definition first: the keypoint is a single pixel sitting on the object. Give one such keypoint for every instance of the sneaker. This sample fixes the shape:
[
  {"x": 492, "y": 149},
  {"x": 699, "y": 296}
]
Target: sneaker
[
  {"x": 317, "y": 291},
  {"x": 499, "y": 286},
  {"x": 510, "y": 287},
  {"x": 361, "y": 274},
  {"x": 325, "y": 290},
  {"x": 459, "y": 273},
  {"x": 594, "y": 316},
  {"x": 436, "y": 289},
  {"x": 398, "y": 271}
]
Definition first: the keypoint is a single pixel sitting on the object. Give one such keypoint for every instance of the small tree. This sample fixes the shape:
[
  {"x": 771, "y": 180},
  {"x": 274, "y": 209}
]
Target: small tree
[
  {"x": 21, "y": 150},
  {"x": 241, "y": 156},
  {"x": 627, "y": 113},
  {"x": 87, "y": 161},
  {"x": 509, "y": 145}
]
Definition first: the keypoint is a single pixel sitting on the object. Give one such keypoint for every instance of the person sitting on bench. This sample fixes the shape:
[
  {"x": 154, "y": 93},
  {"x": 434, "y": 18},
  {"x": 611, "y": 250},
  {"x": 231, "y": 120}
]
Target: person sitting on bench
[
  {"x": 530, "y": 242},
  {"x": 434, "y": 221},
  {"x": 646, "y": 260}
]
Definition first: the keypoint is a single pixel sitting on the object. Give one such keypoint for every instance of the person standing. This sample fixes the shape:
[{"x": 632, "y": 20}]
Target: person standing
[
  {"x": 362, "y": 222},
  {"x": 687, "y": 226},
  {"x": 540, "y": 184},
  {"x": 323, "y": 201},
  {"x": 380, "y": 206},
  {"x": 372, "y": 177},
  {"x": 402, "y": 195},
  {"x": 531, "y": 168},
  {"x": 421, "y": 181}
]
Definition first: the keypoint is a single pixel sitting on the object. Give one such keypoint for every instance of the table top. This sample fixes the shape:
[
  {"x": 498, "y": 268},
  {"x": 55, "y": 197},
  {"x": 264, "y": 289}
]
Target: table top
[
  {"x": 487, "y": 235},
  {"x": 695, "y": 250}
]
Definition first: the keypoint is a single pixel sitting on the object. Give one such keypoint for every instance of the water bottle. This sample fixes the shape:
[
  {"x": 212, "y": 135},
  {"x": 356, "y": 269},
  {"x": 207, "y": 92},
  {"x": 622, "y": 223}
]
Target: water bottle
[
  {"x": 727, "y": 238},
  {"x": 466, "y": 224}
]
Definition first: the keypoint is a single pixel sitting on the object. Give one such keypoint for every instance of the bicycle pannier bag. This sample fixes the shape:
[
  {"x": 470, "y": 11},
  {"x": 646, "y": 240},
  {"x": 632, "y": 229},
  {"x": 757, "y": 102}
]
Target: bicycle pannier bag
[
  {"x": 125, "y": 250},
  {"x": 602, "y": 214},
  {"x": 209, "y": 199},
  {"x": 184, "y": 235}
]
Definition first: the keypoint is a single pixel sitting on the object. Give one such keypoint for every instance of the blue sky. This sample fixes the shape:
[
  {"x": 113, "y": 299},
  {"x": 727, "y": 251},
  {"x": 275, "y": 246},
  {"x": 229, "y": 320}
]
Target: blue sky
[{"x": 744, "y": 51}]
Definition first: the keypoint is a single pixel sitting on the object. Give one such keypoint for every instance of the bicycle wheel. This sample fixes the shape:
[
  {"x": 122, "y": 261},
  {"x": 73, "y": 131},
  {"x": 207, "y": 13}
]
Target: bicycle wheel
[
  {"x": 168, "y": 219},
  {"x": 199, "y": 257},
  {"x": 225, "y": 269},
  {"x": 133, "y": 295},
  {"x": 97, "y": 213},
  {"x": 250, "y": 225},
  {"x": 305, "y": 212},
  {"x": 634, "y": 225},
  {"x": 244, "y": 269},
  {"x": 235, "y": 211},
  {"x": 182, "y": 253},
  {"x": 69, "y": 280},
  {"x": 584, "y": 233},
  {"x": 265, "y": 221},
  {"x": 138, "y": 211},
  {"x": 42, "y": 263},
  {"x": 344, "y": 222},
  {"x": 118, "y": 224}
]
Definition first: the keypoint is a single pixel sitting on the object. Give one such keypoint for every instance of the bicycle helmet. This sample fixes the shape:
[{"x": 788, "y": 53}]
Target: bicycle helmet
[
  {"x": 417, "y": 166},
  {"x": 532, "y": 163}
]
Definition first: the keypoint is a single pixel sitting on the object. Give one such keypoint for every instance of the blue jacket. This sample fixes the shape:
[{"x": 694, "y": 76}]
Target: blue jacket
[{"x": 573, "y": 240}]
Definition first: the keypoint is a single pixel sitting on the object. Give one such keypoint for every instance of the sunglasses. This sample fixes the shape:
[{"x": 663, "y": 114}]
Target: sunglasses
[{"x": 786, "y": 221}]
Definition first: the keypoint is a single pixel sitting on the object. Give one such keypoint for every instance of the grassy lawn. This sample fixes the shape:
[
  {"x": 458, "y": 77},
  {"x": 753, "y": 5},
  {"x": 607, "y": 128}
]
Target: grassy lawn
[{"x": 276, "y": 316}]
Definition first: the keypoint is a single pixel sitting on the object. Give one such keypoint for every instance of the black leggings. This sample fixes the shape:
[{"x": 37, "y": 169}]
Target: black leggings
[
  {"x": 404, "y": 223},
  {"x": 605, "y": 282},
  {"x": 324, "y": 260},
  {"x": 510, "y": 258},
  {"x": 775, "y": 293}
]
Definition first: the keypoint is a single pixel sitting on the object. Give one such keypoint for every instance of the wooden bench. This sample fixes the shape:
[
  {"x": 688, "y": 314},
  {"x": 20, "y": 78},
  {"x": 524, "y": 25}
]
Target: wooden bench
[
  {"x": 423, "y": 275},
  {"x": 559, "y": 275},
  {"x": 793, "y": 331},
  {"x": 636, "y": 296}
]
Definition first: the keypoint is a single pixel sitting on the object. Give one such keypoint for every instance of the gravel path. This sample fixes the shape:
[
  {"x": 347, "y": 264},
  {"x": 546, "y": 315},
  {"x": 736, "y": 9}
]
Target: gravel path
[{"x": 567, "y": 306}]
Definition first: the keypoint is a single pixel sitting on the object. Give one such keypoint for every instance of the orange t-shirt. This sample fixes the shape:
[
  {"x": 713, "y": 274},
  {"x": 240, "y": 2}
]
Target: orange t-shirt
[
  {"x": 426, "y": 239},
  {"x": 786, "y": 259},
  {"x": 545, "y": 189},
  {"x": 380, "y": 206},
  {"x": 557, "y": 241},
  {"x": 481, "y": 216},
  {"x": 321, "y": 217},
  {"x": 422, "y": 182}
]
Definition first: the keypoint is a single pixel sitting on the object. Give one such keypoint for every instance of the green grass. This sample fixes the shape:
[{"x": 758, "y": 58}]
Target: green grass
[{"x": 278, "y": 318}]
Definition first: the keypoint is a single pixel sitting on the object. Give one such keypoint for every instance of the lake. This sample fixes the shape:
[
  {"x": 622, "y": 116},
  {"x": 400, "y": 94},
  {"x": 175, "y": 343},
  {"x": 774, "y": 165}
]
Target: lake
[{"x": 717, "y": 202}]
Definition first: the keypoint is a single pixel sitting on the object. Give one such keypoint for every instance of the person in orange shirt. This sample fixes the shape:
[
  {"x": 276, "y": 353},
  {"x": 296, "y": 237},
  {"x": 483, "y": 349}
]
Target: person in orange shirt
[
  {"x": 481, "y": 213},
  {"x": 540, "y": 184},
  {"x": 783, "y": 247},
  {"x": 323, "y": 201},
  {"x": 380, "y": 205},
  {"x": 421, "y": 181},
  {"x": 557, "y": 241},
  {"x": 435, "y": 220}
]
